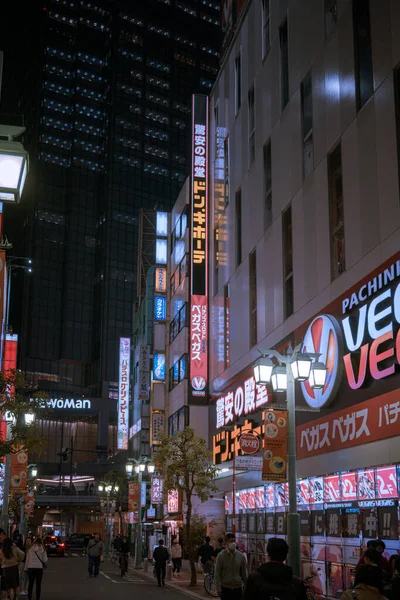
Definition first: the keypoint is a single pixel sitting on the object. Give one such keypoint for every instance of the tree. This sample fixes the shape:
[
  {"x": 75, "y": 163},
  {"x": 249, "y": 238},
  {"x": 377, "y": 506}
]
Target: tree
[
  {"x": 118, "y": 478},
  {"x": 186, "y": 465},
  {"x": 16, "y": 401}
]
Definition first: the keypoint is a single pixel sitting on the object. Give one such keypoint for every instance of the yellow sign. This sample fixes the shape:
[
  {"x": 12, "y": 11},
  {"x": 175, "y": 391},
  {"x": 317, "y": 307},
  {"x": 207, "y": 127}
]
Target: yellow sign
[{"x": 161, "y": 279}]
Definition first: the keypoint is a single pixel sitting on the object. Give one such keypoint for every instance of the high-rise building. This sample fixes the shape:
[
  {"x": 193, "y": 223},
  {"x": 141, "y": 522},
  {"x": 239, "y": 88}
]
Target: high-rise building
[{"x": 106, "y": 91}]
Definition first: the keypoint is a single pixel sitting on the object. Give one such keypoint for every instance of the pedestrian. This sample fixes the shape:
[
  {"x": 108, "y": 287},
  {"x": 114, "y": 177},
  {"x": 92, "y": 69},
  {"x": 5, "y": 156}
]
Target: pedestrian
[
  {"x": 274, "y": 579},
  {"x": 380, "y": 546},
  {"x": 10, "y": 557},
  {"x": 176, "y": 555},
  {"x": 206, "y": 553},
  {"x": 86, "y": 541},
  {"x": 220, "y": 546},
  {"x": 230, "y": 571},
  {"x": 95, "y": 549},
  {"x": 23, "y": 574},
  {"x": 117, "y": 543},
  {"x": 35, "y": 563},
  {"x": 160, "y": 557},
  {"x": 2, "y": 537},
  {"x": 368, "y": 584}
]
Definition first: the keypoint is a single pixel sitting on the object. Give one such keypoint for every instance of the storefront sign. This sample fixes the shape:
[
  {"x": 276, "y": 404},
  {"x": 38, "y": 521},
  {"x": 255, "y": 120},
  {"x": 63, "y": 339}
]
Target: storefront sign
[
  {"x": 161, "y": 279},
  {"x": 249, "y": 443},
  {"x": 123, "y": 392},
  {"x": 159, "y": 367},
  {"x": 160, "y": 308},
  {"x": 69, "y": 403},
  {"x": 198, "y": 354},
  {"x": 173, "y": 502},
  {"x": 347, "y": 428},
  {"x": 133, "y": 496},
  {"x": 143, "y": 494},
  {"x": 275, "y": 445},
  {"x": 245, "y": 398},
  {"x": 386, "y": 482},
  {"x": 332, "y": 488},
  {"x": 144, "y": 371},
  {"x": 157, "y": 496},
  {"x": 226, "y": 443},
  {"x": 364, "y": 342},
  {"x": 249, "y": 463},
  {"x": 157, "y": 426}
]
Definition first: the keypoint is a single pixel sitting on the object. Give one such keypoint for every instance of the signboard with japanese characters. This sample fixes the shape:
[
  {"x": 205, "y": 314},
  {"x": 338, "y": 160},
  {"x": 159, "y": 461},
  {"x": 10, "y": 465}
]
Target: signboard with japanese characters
[
  {"x": 349, "y": 487},
  {"x": 260, "y": 518},
  {"x": 317, "y": 523},
  {"x": 280, "y": 523},
  {"x": 369, "y": 523},
  {"x": 245, "y": 398},
  {"x": 332, "y": 488},
  {"x": 333, "y": 523},
  {"x": 305, "y": 523},
  {"x": 174, "y": 504},
  {"x": 160, "y": 308},
  {"x": 275, "y": 446},
  {"x": 133, "y": 496},
  {"x": 160, "y": 280},
  {"x": 157, "y": 494},
  {"x": 351, "y": 522},
  {"x": 123, "y": 392},
  {"x": 388, "y": 522},
  {"x": 157, "y": 426},
  {"x": 303, "y": 492},
  {"x": 366, "y": 484},
  {"x": 144, "y": 371},
  {"x": 198, "y": 351},
  {"x": 386, "y": 482}
]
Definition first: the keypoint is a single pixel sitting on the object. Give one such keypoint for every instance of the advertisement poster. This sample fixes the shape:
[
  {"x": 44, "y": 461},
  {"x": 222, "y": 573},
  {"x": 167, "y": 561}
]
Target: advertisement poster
[
  {"x": 275, "y": 446},
  {"x": 332, "y": 488},
  {"x": 133, "y": 496},
  {"x": 29, "y": 505},
  {"x": 18, "y": 470}
]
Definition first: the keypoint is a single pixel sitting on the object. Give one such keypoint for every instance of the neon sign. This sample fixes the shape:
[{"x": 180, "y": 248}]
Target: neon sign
[{"x": 123, "y": 392}]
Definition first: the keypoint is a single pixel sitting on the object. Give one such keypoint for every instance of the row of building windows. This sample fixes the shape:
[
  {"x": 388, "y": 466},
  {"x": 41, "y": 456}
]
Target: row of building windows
[
  {"x": 73, "y": 22},
  {"x": 178, "y": 372},
  {"x": 80, "y": 56},
  {"x": 178, "y": 323}
]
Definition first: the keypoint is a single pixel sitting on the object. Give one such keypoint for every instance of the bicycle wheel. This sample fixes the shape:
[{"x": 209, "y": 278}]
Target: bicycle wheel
[{"x": 209, "y": 585}]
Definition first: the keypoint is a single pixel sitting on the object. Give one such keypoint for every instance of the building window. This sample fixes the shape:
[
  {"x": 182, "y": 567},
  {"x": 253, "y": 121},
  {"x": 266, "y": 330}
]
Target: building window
[
  {"x": 284, "y": 63},
  {"x": 287, "y": 261},
  {"x": 267, "y": 185},
  {"x": 362, "y": 52},
  {"x": 307, "y": 125},
  {"x": 238, "y": 82},
  {"x": 178, "y": 372},
  {"x": 336, "y": 211},
  {"x": 238, "y": 239},
  {"x": 227, "y": 325},
  {"x": 252, "y": 126},
  {"x": 178, "y": 323},
  {"x": 253, "y": 297},
  {"x": 330, "y": 16},
  {"x": 226, "y": 171},
  {"x": 265, "y": 31}
]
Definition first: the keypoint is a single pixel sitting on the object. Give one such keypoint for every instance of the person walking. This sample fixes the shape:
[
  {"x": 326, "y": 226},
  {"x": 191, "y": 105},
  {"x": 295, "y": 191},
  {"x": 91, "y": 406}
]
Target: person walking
[
  {"x": 35, "y": 562},
  {"x": 230, "y": 571},
  {"x": 95, "y": 549},
  {"x": 368, "y": 584},
  {"x": 23, "y": 574},
  {"x": 176, "y": 555},
  {"x": 220, "y": 546},
  {"x": 10, "y": 557},
  {"x": 393, "y": 590},
  {"x": 160, "y": 557},
  {"x": 274, "y": 579},
  {"x": 206, "y": 553}
]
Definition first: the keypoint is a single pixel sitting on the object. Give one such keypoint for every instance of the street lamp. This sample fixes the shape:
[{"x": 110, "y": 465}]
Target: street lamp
[
  {"x": 29, "y": 418},
  {"x": 108, "y": 489},
  {"x": 140, "y": 468},
  {"x": 13, "y": 164},
  {"x": 297, "y": 366}
]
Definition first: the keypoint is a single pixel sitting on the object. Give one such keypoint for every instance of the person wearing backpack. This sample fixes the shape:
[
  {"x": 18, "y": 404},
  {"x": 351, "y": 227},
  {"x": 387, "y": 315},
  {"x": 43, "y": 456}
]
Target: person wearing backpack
[
  {"x": 274, "y": 579},
  {"x": 160, "y": 557},
  {"x": 368, "y": 584},
  {"x": 35, "y": 563}
]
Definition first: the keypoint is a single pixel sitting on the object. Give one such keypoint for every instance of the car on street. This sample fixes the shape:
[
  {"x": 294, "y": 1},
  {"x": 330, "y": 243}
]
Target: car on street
[
  {"x": 77, "y": 541},
  {"x": 54, "y": 546}
]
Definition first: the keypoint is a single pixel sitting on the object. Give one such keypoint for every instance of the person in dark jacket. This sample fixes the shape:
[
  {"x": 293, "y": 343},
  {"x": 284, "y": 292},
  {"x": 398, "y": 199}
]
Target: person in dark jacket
[
  {"x": 219, "y": 547},
  {"x": 206, "y": 552},
  {"x": 392, "y": 591},
  {"x": 274, "y": 579},
  {"x": 160, "y": 557}
]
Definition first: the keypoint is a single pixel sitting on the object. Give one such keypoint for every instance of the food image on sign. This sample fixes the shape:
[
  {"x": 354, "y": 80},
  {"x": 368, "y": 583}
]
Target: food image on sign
[
  {"x": 275, "y": 446},
  {"x": 18, "y": 470}
]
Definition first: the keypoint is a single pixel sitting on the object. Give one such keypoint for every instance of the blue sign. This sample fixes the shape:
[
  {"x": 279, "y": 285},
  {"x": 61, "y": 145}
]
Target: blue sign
[
  {"x": 159, "y": 367},
  {"x": 160, "y": 308}
]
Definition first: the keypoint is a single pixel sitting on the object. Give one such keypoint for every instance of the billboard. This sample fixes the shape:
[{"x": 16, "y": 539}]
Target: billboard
[
  {"x": 198, "y": 361},
  {"x": 18, "y": 470},
  {"x": 133, "y": 496},
  {"x": 123, "y": 392},
  {"x": 275, "y": 445},
  {"x": 161, "y": 279}
]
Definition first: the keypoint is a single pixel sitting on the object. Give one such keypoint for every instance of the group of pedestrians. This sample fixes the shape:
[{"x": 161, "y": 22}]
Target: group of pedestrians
[
  {"x": 22, "y": 566},
  {"x": 377, "y": 578}
]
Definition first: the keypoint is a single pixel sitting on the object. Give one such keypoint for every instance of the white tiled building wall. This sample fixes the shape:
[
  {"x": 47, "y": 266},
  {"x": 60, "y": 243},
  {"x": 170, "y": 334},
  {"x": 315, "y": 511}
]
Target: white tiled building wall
[{"x": 369, "y": 166}]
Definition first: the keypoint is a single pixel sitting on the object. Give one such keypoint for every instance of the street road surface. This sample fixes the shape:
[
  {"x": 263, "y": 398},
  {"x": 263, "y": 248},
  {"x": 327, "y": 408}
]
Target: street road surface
[{"x": 68, "y": 577}]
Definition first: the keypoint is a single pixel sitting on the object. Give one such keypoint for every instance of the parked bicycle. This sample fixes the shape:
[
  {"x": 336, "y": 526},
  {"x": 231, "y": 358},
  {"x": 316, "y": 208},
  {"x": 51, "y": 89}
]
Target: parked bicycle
[{"x": 209, "y": 583}]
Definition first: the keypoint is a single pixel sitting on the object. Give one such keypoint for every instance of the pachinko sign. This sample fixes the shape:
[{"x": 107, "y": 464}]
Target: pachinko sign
[
  {"x": 198, "y": 353},
  {"x": 123, "y": 392},
  {"x": 363, "y": 344}
]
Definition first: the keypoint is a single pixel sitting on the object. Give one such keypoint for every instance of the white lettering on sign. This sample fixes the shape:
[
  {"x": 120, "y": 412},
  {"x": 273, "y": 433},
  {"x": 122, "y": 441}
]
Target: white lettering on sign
[
  {"x": 244, "y": 399},
  {"x": 199, "y": 167},
  {"x": 371, "y": 287},
  {"x": 123, "y": 392},
  {"x": 63, "y": 403}
]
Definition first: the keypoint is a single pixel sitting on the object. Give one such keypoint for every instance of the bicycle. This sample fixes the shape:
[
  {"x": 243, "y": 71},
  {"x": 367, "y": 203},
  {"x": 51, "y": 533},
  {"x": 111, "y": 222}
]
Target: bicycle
[
  {"x": 209, "y": 584},
  {"x": 123, "y": 564},
  {"x": 115, "y": 556}
]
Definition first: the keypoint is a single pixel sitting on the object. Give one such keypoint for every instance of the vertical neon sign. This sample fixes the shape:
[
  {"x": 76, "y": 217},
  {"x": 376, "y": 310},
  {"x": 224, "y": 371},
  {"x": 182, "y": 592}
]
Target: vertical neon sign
[
  {"x": 199, "y": 254},
  {"x": 123, "y": 392}
]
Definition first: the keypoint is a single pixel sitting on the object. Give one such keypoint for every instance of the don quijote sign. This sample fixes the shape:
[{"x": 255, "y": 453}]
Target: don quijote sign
[{"x": 249, "y": 443}]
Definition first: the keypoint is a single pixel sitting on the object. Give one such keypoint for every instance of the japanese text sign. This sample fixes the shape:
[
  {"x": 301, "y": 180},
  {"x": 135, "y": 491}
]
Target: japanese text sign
[
  {"x": 275, "y": 445},
  {"x": 332, "y": 488},
  {"x": 199, "y": 259},
  {"x": 160, "y": 308},
  {"x": 133, "y": 496},
  {"x": 18, "y": 470},
  {"x": 123, "y": 392},
  {"x": 157, "y": 494},
  {"x": 159, "y": 367},
  {"x": 244, "y": 399},
  {"x": 174, "y": 504},
  {"x": 161, "y": 280},
  {"x": 349, "y": 487},
  {"x": 386, "y": 482}
]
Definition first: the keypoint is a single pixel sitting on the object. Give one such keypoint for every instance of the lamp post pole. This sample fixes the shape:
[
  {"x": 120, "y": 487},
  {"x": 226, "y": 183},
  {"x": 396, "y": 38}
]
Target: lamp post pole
[
  {"x": 138, "y": 562},
  {"x": 6, "y": 490},
  {"x": 293, "y": 516},
  {"x": 108, "y": 529}
]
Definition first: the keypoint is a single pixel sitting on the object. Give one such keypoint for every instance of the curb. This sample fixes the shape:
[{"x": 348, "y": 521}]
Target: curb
[{"x": 185, "y": 591}]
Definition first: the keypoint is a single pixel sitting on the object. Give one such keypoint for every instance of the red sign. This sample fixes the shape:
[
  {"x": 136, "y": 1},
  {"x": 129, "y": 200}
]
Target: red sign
[
  {"x": 316, "y": 490},
  {"x": 349, "y": 487},
  {"x": 386, "y": 482},
  {"x": 332, "y": 488},
  {"x": 198, "y": 354},
  {"x": 270, "y": 495},
  {"x": 282, "y": 494},
  {"x": 133, "y": 496},
  {"x": 174, "y": 502},
  {"x": 366, "y": 484},
  {"x": 303, "y": 491},
  {"x": 249, "y": 443},
  {"x": 260, "y": 497},
  {"x": 18, "y": 470},
  {"x": 366, "y": 422},
  {"x": 157, "y": 495}
]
